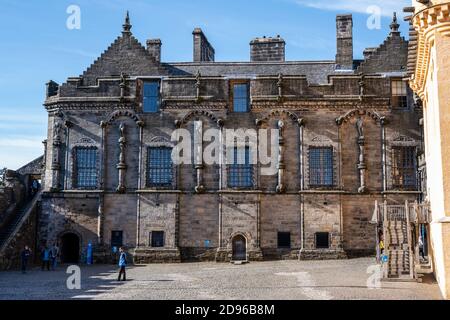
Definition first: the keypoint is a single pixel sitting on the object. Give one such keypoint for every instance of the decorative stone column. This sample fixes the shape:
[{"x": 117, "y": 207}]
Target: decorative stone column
[
  {"x": 197, "y": 87},
  {"x": 123, "y": 86},
  {"x": 198, "y": 155},
  {"x": 56, "y": 157},
  {"x": 100, "y": 220},
  {"x": 103, "y": 125},
  {"x": 281, "y": 166},
  {"x": 301, "y": 126},
  {"x": 122, "y": 166},
  {"x": 68, "y": 125},
  {"x": 361, "y": 164},
  {"x": 383, "y": 122},
  {"x": 280, "y": 87},
  {"x": 362, "y": 86}
]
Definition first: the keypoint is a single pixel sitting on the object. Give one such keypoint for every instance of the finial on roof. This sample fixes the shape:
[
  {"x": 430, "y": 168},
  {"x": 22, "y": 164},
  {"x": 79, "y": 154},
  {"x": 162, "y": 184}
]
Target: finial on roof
[
  {"x": 127, "y": 25},
  {"x": 394, "y": 25}
]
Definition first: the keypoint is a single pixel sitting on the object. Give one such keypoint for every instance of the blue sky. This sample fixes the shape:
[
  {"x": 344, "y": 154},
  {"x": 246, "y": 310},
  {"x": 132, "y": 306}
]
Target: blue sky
[{"x": 36, "y": 45}]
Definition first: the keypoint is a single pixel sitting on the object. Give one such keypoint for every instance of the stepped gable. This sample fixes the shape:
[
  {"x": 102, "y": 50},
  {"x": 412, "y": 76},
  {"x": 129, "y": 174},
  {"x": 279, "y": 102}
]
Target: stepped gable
[
  {"x": 391, "y": 56},
  {"x": 125, "y": 55}
]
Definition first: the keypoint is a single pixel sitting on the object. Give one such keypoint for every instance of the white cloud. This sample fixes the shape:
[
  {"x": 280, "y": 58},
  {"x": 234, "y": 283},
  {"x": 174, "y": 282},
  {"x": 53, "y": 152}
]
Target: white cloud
[
  {"x": 360, "y": 6},
  {"x": 14, "y": 153}
]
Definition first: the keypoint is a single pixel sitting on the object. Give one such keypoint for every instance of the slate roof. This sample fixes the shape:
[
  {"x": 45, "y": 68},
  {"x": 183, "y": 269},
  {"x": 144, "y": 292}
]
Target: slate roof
[{"x": 317, "y": 72}]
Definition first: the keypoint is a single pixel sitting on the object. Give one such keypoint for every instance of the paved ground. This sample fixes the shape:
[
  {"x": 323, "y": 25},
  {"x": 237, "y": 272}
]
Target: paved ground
[{"x": 284, "y": 280}]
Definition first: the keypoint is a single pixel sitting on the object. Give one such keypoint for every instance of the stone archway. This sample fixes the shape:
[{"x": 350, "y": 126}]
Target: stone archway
[
  {"x": 239, "y": 244},
  {"x": 70, "y": 248}
]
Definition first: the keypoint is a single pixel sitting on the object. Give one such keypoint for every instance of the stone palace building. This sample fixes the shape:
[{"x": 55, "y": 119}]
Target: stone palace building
[{"x": 349, "y": 136}]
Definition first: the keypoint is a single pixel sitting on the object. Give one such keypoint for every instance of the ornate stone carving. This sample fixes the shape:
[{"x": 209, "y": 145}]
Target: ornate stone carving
[
  {"x": 281, "y": 166},
  {"x": 361, "y": 164},
  {"x": 197, "y": 87},
  {"x": 122, "y": 166},
  {"x": 56, "y": 156},
  {"x": 123, "y": 85},
  {"x": 198, "y": 154},
  {"x": 197, "y": 113},
  {"x": 362, "y": 86},
  {"x": 280, "y": 87}
]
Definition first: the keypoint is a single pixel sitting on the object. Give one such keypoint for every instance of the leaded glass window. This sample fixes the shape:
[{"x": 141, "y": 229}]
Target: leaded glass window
[
  {"x": 399, "y": 94},
  {"x": 404, "y": 167},
  {"x": 86, "y": 174},
  {"x": 321, "y": 166},
  {"x": 151, "y": 97},
  {"x": 160, "y": 168},
  {"x": 240, "y": 97},
  {"x": 240, "y": 172}
]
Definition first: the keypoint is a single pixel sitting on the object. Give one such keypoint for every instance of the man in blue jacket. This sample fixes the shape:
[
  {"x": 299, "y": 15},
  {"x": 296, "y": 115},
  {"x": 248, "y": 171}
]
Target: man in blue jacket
[{"x": 122, "y": 264}]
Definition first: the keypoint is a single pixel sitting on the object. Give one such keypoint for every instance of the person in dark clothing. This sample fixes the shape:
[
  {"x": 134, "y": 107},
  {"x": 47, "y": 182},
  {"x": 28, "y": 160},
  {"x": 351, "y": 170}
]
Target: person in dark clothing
[
  {"x": 45, "y": 256},
  {"x": 54, "y": 253},
  {"x": 122, "y": 265},
  {"x": 25, "y": 255}
]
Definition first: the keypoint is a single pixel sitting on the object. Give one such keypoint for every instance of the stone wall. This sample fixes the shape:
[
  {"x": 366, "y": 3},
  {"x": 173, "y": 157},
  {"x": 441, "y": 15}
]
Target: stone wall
[{"x": 10, "y": 257}]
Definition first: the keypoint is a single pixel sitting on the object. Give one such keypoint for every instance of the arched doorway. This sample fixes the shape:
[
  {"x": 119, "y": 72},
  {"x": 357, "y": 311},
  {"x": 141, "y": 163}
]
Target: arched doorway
[
  {"x": 239, "y": 248},
  {"x": 70, "y": 248}
]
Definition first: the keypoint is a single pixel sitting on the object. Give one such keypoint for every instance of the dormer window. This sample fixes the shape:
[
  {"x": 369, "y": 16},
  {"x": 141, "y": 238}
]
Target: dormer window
[
  {"x": 240, "y": 96},
  {"x": 399, "y": 97},
  {"x": 151, "y": 100}
]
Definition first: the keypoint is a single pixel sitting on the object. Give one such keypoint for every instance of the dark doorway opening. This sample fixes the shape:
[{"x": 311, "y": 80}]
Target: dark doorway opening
[
  {"x": 239, "y": 248},
  {"x": 70, "y": 250}
]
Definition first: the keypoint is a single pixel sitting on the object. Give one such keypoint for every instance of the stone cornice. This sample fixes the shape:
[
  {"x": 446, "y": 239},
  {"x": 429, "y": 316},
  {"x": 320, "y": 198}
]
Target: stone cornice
[
  {"x": 380, "y": 103},
  {"x": 427, "y": 23},
  {"x": 312, "y": 103}
]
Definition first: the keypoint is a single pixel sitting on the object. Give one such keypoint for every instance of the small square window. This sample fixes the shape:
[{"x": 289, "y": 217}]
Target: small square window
[
  {"x": 322, "y": 240},
  {"x": 116, "y": 238},
  {"x": 157, "y": 239},
  {"x": 284, "y": 239}
]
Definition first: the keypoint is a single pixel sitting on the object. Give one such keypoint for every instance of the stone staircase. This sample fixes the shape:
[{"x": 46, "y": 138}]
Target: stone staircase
[
  {"x": 10, "y": 229},
  {"x": 399, "y": 263}
]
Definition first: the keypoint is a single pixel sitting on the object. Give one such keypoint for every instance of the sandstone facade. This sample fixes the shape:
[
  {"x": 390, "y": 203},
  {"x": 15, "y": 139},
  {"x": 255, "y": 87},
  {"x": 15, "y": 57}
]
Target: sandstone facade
[{"x": 320, "y": 103}]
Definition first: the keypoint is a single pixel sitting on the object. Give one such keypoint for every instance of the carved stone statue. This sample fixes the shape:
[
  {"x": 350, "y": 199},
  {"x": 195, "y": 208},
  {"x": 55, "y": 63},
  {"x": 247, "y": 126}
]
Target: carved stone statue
[
  {"x": 359, "y": 127},
  {"x": 361, "y": 164},
  {"x": 122, "y": 166},
  {"x": 362, "y": 86}
]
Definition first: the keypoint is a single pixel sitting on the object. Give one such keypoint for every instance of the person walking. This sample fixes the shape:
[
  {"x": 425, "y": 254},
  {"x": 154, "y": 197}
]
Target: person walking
[
  {"x": 122, "y": 264},
  {"x": 54, "y": 253},
  {"x": 25, "y": 255},
  {"x": 421, "y": 248},
  {"x": 45, "y": 256}
]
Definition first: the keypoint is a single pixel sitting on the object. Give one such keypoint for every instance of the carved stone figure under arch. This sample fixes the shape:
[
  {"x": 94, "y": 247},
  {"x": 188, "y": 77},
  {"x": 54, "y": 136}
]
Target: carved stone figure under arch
[{"x": 360, "y": 112}]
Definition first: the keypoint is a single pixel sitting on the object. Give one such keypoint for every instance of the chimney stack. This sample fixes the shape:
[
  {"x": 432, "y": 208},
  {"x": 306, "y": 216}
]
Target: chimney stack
[
  {"x": 267, "y": 49},
  {"x": 344, "y": 36},
  {"x": 203, "y": 50},
  {"x": 154, "y": 48}
]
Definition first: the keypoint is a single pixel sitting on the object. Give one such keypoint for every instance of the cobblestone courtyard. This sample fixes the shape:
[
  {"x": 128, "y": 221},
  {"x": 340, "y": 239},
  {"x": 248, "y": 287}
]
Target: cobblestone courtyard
[{"x": 280, "y": 280}]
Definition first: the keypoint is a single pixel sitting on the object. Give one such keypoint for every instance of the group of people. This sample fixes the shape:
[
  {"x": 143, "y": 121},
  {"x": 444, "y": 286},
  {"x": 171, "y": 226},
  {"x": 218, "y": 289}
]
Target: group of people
[{"x": 49, "y": 258}]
